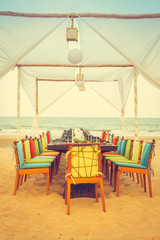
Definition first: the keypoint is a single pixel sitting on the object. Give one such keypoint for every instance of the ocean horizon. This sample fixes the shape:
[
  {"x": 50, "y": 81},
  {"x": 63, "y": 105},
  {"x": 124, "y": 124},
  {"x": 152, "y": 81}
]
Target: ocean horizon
[{"x": 146, "y": 126}]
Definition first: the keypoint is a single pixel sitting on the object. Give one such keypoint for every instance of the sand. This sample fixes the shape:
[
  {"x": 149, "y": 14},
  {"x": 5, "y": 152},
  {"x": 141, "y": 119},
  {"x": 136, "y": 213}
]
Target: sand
[{"x": 31, "y": 214}]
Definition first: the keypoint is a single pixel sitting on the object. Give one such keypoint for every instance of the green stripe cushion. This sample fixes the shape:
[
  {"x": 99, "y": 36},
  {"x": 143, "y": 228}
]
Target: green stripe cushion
[
  {"x": 128, "y": 149},
  {"x": 27, "y": 150},
  {"x": 41, "y": 159}
]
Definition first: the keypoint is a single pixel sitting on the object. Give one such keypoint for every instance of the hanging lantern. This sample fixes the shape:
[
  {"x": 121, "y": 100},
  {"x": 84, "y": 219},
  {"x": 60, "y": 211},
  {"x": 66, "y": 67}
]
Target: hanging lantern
[
  {"x": 72, "y": 33},
  {"x": 75, "y": 56},
  {"x": 79, "y": 79}
]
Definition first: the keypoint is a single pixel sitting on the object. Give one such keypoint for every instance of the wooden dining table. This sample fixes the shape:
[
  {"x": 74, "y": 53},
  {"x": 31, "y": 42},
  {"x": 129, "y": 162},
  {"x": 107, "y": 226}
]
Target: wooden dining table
[{"x": 59, "y": 146}]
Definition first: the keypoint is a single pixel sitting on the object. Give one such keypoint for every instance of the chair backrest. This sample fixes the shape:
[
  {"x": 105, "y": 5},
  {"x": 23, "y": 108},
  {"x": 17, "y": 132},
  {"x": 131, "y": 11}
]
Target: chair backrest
[
  {"x": 40, "y": 146},
  {"x": 36, "y": 146},
  {"x": 108, "y": 137},
  {"x": 147, "y": 154},
  {"x": 115, "y": 141},
  {"x": 111, "y": 138},
  {"x": 123, "y": 147},
  {"x": 119, "y": 146},
  {"x": 43, "y": 142},
  {"x": 137, "y": 151},
  {"x": 27, "y": 149},
  {"x": 32, "y": 148},
  {"x": 45, "y": 139},
  {"x": 84, "y": 161},
  {"x": 103, "y": 136},
  {"x": 19, "y": 154},
  {"x": 48, "y": 137},
  {"x": 128, "y": 149}
]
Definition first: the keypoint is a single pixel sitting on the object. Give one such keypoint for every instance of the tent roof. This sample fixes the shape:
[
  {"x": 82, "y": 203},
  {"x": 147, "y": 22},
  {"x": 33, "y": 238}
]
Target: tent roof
[{"x": 35, "y": 40}]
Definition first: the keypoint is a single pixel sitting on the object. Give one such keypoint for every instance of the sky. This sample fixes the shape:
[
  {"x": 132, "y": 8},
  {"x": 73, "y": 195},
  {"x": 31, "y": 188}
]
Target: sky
[{"x": 86, "y": 102}]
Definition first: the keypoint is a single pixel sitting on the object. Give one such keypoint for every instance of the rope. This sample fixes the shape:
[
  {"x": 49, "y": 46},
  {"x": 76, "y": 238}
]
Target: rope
[
  {"x": 99, "y": 174},
  {"x": 69, "y": 175}
]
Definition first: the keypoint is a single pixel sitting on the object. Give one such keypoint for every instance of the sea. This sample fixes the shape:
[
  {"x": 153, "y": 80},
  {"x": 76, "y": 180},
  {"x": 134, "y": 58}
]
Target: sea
[{"x": 95, "y": 125}]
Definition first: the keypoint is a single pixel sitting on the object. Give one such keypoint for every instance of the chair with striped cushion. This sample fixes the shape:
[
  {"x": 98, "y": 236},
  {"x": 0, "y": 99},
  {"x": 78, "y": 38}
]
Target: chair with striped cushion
[
  {"x": 23, "y": 168},
  {"x": 143, "y": 168}
]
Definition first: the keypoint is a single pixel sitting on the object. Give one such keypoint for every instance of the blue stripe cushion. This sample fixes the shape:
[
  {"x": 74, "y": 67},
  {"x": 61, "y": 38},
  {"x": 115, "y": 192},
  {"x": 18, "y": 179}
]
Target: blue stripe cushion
[
  {"x": 123, "y": 146},
  {"x": 36, "y": 165},
  {"x": 132, "y": 165},
  {"x": 20, "y": 153},
  {"x": 146, "y": 154}
]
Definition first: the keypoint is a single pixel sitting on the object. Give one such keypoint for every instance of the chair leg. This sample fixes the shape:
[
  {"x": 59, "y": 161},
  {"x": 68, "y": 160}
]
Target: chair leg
[
  {"x": 102, "y": 195},
  {"x": 21, "y": 179},
  {"x": 25, "y": 178},
  {"x": 54, "y": 168},
  {"x": 66, "y": 192},
  {"x": 96, "y": 191},
  {"x": 118, "y": 182},
  {"x": 111, "y": 174},
  {"x": 137, "y": 178},
  {"x": 149, "y": 183},
  {"x": 50, "y": 173},
  {"x": 144, "y": 179},
  {"x": 48, "y": 181},
  {"x": 16, "y": 182},
  {"x": 107, "y": 169},
  {"x": 141, "y": 180},
  {"x": 68, "y": 196},
  {"x": 133, "y": 177},
  {"x": 115, "y": 177}
]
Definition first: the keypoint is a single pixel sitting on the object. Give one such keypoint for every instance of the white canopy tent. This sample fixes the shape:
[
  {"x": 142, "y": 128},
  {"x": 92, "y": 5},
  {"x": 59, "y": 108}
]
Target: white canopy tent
[{"x": 115, "y": 49}]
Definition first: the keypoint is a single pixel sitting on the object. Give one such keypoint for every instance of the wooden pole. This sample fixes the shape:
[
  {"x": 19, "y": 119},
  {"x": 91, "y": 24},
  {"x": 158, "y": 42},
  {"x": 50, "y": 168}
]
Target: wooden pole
[
  {"x": 135, "y": 104},
  {"x": 123, "y": 123},
  {"x": 76, "y": 15},
  {"x": 74, "y": 65},
  {"x": 18, "y": 102},
  {"x": 65, "y": 80},
  {"x": 37, "y": 132}
]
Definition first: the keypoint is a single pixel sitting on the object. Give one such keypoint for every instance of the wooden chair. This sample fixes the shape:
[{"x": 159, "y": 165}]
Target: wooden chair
[
  {"x": 83, "y": 166},
  {"x": 143, "y": 168},
  {"x": 23, "y": 168},
  {"x": 106, "y": 156},
  {"x": 134, "y": 158}
]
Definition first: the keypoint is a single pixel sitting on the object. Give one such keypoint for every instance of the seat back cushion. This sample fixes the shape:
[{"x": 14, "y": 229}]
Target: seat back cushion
[
  {"x": 146, "y": 154},
  {"x": 84, "y": 161}
]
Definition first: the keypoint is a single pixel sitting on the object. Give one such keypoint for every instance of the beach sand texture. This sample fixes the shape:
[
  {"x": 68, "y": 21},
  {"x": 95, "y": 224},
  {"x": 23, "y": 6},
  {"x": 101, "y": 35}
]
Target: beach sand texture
[{"x": 31, "y": 214}]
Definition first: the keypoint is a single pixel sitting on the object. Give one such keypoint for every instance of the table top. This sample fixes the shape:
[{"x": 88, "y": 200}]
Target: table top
[{"x": 60, "y": 147}]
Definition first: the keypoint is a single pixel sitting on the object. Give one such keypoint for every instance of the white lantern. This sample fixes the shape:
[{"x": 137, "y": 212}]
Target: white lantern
[{"x": 75, "y": 56}]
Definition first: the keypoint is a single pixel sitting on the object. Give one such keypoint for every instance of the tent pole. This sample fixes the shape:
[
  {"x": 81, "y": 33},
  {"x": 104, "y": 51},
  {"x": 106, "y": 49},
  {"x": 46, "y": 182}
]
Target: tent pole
[
  {"x": 36, "y": 107},
  {"x": 18, "y": 102},
  {"x": 123, "y": 123},
  {"x": 135, "y": 104}
]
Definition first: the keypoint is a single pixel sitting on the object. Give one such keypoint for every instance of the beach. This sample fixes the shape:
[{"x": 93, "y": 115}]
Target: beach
[{"x": 31, "y": 214}]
